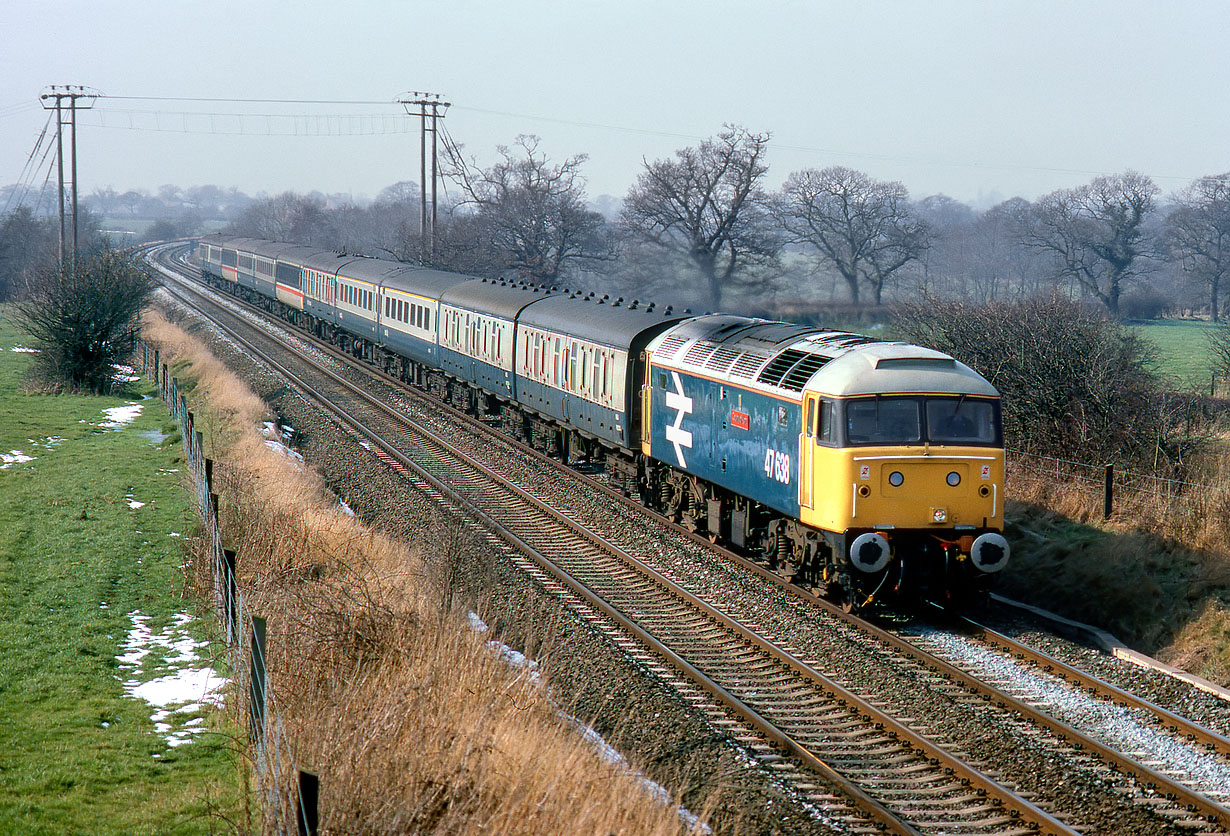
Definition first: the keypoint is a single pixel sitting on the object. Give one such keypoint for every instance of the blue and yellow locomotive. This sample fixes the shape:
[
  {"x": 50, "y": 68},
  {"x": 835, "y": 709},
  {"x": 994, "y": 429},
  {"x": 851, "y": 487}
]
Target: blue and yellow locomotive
[
  {"x": 854, "y": 465},
  {"x": 865, "y": 469}
]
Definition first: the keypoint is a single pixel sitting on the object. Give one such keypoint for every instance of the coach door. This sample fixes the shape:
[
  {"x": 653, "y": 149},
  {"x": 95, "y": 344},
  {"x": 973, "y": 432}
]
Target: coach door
[{"x": 807, "y": 450}]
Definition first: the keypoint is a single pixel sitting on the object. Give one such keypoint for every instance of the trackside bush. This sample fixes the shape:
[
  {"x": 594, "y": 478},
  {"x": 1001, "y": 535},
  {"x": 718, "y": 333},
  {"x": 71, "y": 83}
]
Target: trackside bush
[
  {"x": 1074, "y": 383},
  {"x": 83, "y": 317}
]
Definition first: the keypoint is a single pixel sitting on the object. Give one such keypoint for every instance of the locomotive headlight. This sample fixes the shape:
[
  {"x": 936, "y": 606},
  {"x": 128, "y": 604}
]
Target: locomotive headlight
[
  {"x": 953, "y": 479},
  {"x": 896, "y": 478},
  {"x": 939, "y": 515}
]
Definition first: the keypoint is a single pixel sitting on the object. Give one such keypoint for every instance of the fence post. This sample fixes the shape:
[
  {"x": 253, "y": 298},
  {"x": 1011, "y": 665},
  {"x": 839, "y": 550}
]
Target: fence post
[
  {"x": 1109, "y": 494},
  {"x": 256, "y": 686},
  {"x": 309, "y": 799},
  {"x": 231, "y": 591},
  {"x": 199, "y": 458}
]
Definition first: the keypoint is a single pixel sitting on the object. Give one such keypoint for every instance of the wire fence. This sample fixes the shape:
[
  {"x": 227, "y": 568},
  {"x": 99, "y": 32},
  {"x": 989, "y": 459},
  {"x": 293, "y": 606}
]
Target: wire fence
[
  {"x": 1111, "y": 482},
  {"x": 288, "y": 794}
]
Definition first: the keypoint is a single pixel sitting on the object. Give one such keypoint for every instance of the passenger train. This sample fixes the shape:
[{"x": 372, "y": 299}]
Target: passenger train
[{"x": 866, "y": 470}]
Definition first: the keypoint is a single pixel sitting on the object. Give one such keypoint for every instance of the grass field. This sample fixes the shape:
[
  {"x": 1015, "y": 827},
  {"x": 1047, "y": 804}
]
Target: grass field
[
  {"x": 92, "y": 519},
  {"x": 1182, "y": 352}
]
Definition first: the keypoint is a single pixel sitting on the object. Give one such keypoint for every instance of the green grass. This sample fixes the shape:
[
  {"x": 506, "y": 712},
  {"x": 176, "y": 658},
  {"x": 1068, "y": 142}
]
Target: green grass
[
  {"x": 77, "y": 755},
  {"x": 1182, "y": 352}
]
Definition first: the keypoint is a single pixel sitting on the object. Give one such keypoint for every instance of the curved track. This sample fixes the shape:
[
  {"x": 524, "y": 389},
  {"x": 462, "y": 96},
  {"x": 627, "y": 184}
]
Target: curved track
[{"x": 765, "y": 694}]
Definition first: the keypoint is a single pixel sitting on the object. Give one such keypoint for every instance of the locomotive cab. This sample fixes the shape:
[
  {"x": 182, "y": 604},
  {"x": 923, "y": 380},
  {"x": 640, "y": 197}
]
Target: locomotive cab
[{"x": 902, "y": 466}]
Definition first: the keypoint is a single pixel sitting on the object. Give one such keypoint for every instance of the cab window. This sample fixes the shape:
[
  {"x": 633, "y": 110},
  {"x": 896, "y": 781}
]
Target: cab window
[
  {"x": 961, "y": 421},
  {"x": 884, "y": 421},
  {"x": 826, "y": 432}
]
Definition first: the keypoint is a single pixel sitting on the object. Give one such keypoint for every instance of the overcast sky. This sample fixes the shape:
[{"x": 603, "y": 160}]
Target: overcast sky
[{"x": 978, "y": 100}]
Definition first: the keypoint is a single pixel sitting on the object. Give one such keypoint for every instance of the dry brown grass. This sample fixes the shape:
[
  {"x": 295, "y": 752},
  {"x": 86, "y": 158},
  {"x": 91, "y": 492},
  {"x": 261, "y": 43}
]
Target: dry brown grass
[
  {"x": 1147, "y": 574},
  {"x": 413, "y": 723},
  {"x": 1203, "y": 645}
]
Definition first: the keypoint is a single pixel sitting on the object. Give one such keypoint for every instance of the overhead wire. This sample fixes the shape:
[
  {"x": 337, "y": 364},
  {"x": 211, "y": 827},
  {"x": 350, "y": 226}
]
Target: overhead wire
[
  {"x": 341, "y": 124},
  {"x": 26, "y": 178}
]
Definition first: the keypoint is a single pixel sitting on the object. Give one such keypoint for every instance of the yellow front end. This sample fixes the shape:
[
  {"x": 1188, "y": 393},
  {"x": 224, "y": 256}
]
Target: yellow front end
[{"x": 946, "y": 491}]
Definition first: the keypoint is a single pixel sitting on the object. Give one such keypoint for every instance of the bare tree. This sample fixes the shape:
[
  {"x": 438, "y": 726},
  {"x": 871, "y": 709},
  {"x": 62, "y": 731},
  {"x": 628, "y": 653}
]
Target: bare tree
[
  {"x": 1198, "y": 234},
  {"x": 25, "y": 242},
  {"x": 863, "y": 227},
  {"x": 83, "y": 318},
  {"x": 1218, "y": 343},
  {"x": 708, "y": 203},
  {"x": 1002, "y": 264},
  {"x": 289, "y": 217},
  {"x": 531, "y": 212},
  {"x": 1096, "y": 234}
]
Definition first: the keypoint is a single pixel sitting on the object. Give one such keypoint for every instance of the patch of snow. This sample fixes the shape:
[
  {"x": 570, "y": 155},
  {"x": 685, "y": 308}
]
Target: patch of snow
[
  {"x": 279, "y": 447},
  {"x": 179, "y": 685},
  {"x": 273, "y": 440},
  {"x": 119, "y": 416},
  {"x": 134, "y": 504},
  {"x": 13, "y": 457},
  {"x": 124, "y": 374},
  {"x": 21, "y": 349}
]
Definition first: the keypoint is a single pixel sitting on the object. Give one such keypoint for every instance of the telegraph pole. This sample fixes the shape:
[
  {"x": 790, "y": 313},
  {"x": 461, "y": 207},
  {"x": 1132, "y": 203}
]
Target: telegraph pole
[
  {"x": 430, "y": 110},
  {"x": 78, "y": 98}
]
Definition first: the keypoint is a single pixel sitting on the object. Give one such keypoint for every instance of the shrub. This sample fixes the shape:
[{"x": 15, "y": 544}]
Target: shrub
[
  {"x": 1073, "y": 382},
  {"x": 83, "y": 318}
]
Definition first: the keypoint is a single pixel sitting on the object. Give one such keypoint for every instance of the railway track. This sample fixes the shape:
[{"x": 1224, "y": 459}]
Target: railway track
[{"x": 793, "y": 717}]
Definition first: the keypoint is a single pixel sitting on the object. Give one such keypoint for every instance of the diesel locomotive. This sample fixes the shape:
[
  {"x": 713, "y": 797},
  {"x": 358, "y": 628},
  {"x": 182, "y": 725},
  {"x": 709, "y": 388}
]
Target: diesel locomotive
[{"x": 867, "y": 470}]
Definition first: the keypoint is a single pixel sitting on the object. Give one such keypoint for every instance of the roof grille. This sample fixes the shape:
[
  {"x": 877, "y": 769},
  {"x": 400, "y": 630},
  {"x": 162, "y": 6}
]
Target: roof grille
[
  {"x": 776, "y": 370},
  {"x": 700, "y": 352},
  {"x": 669, "y": 346},
  {"x": 722, "y": 359},
  {"x": 802, "y": 371},
  {"x": 747, "y": 365}
]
